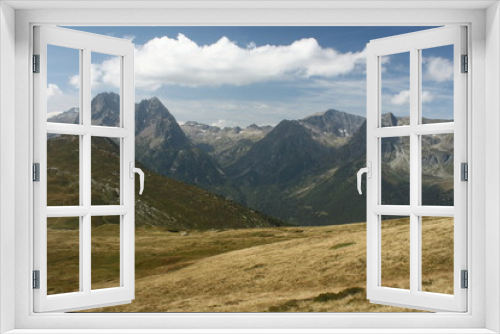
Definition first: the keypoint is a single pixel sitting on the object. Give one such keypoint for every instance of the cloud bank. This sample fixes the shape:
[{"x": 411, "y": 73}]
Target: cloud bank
[{"x": 182, "y": 61}]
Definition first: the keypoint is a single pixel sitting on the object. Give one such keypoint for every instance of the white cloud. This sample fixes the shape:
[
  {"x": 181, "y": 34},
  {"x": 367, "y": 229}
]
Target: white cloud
[
  {"x": 59, "y": 101},
  {"x": 438, "y": 69},
  {"x": 75, "y": 81},
  {"x": 53, "y": 90},
  {"x": 182, "y": 61},
  {"x": 427, "y": 97},
  {"x": 403, "y": 97},
  {"x": 105, "y": 76}
]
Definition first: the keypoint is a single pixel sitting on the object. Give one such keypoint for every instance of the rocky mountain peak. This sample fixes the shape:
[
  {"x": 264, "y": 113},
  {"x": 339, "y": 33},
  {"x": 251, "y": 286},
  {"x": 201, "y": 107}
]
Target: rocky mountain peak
[
  {"x": 287, "y": 128},
  {"x": 106, "y": 109},
  {"x": 334, "y": 123},
  {"x": 285, "y": 152},
  {"x": 253, "y": 127}
]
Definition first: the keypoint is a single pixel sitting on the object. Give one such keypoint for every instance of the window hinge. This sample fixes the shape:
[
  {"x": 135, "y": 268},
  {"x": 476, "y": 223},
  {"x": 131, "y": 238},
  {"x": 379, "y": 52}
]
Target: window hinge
[
  {"x": 465, "y": 64},
  {"x": 36, "y": 172},
  {"x": 465, "y": 279},
  {"x": 464, "y": 171},
  {"x": 36, "y": 63},
  {"x": 36, "y": 279}
]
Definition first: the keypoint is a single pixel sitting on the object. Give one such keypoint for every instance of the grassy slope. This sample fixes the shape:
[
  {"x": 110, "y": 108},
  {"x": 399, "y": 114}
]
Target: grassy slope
[{"x": 275, "y": 269}]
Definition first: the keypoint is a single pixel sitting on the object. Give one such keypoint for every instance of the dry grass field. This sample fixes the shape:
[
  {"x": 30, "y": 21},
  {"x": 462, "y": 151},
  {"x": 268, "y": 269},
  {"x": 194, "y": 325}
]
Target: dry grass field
[{"x": 282, "y": 269}]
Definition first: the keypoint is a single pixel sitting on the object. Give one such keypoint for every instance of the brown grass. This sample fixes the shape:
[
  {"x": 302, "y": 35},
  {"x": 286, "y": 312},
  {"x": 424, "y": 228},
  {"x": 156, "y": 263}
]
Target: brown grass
[{"x": 306, "y": 269}]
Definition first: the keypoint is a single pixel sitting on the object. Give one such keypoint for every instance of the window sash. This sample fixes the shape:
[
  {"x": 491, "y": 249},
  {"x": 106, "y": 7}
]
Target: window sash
[
  {"x": 413, "y": 43},
  {"x": 86, "y": 298}
]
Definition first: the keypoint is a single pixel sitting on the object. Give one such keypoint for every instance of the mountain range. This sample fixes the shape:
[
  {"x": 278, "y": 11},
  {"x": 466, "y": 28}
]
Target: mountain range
[
  {"x": 300, "y": 171},
  {"x": 165, "y": 202}
]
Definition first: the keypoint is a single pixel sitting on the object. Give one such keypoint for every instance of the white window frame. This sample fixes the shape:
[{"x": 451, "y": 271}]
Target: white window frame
[
  {"x": 413, "y": 44},
  {"x": 85, "y": 43},
  {"x": 483, "y": 314}
]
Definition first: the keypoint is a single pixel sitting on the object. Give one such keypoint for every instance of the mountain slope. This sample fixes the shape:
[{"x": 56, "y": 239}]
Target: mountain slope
[
  {"x": 164, "y": 148},
  {"x": 326, "y": 192},
  {"x": 105, "y": 109},
  {"x": 161, "y": 144},
  {"x": 285, "y": 153},
  {"x": 165, "y": 202}
]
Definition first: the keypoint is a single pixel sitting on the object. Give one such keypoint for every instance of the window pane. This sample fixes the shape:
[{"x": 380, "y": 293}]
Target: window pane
[
  {"x": 437, "y": 85},
  {"x": 395, "y": 89},
  {"x": 105, "y": 171},
  {"x": 63, "y": 84},
  {"x": 437, "y": 254},
  {"x": 63, "y": 255},
  {"x": 437, "y": 170},
  {"x": 395, "y": 170},
  {"x": 105, "y": 252},
  {"x": 63, "y": 170},
  {"x": 106, "y": 82},
  {"x": 395, "y": 253}
]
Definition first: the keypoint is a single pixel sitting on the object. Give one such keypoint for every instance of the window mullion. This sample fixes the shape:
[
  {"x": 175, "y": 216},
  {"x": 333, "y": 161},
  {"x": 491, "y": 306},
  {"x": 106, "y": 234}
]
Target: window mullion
[
  {"x": 85, "y": 166},
  {"x": 414, "y": 172}
]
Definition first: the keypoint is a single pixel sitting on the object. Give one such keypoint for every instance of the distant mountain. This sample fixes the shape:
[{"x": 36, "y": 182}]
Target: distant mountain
[
  {"x": 332, "y": 127},
  {"x": 105, "y": 109},
  {"x": 301, "y": 171},
  {"x": 69, "y": 117},
  {"x": 227, "y": 144},
  {"x": 163, "y": 147},
  {"x": 165, "y": 202},
  {"x": 324, "y": 193},
  {"x": 388, "y": 119},
  {"x": 283, "y": 154}
]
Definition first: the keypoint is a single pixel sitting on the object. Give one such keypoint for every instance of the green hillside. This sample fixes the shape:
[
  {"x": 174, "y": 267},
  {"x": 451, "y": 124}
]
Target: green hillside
[{"x": 165, "y": 202}]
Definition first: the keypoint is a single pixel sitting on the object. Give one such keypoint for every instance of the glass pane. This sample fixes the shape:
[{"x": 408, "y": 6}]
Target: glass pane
[
  {"x": 395, "y": 170},
  {"x": 63, "y": 170},
  {"x": 63, "y": 255},
  {"x": 105, "y": 252},
  {"x": 437, "y": 170},
  {"x": 395, "y": 253},
  {"x": 395, "y": 89},
  {"x": 105, "y": 171},
  {"x": 437, "y": 254},
  {"x": 437, "y": 85},
  {"x": 63, "y": 84},
  {"x": 106, "y": 81}
]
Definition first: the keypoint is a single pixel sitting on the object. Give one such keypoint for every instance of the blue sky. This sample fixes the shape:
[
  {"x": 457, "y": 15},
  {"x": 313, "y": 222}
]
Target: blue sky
[{"x": 242, "y": 75}]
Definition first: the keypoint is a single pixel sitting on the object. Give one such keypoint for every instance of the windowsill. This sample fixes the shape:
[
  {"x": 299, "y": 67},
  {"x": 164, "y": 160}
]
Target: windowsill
[{"x": 253, "y": 331}]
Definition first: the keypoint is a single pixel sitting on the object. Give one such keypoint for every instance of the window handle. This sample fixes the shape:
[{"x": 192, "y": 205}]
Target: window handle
[
  {"x": 368, "y": 171},
  {"x": 141, "y": 175}
]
